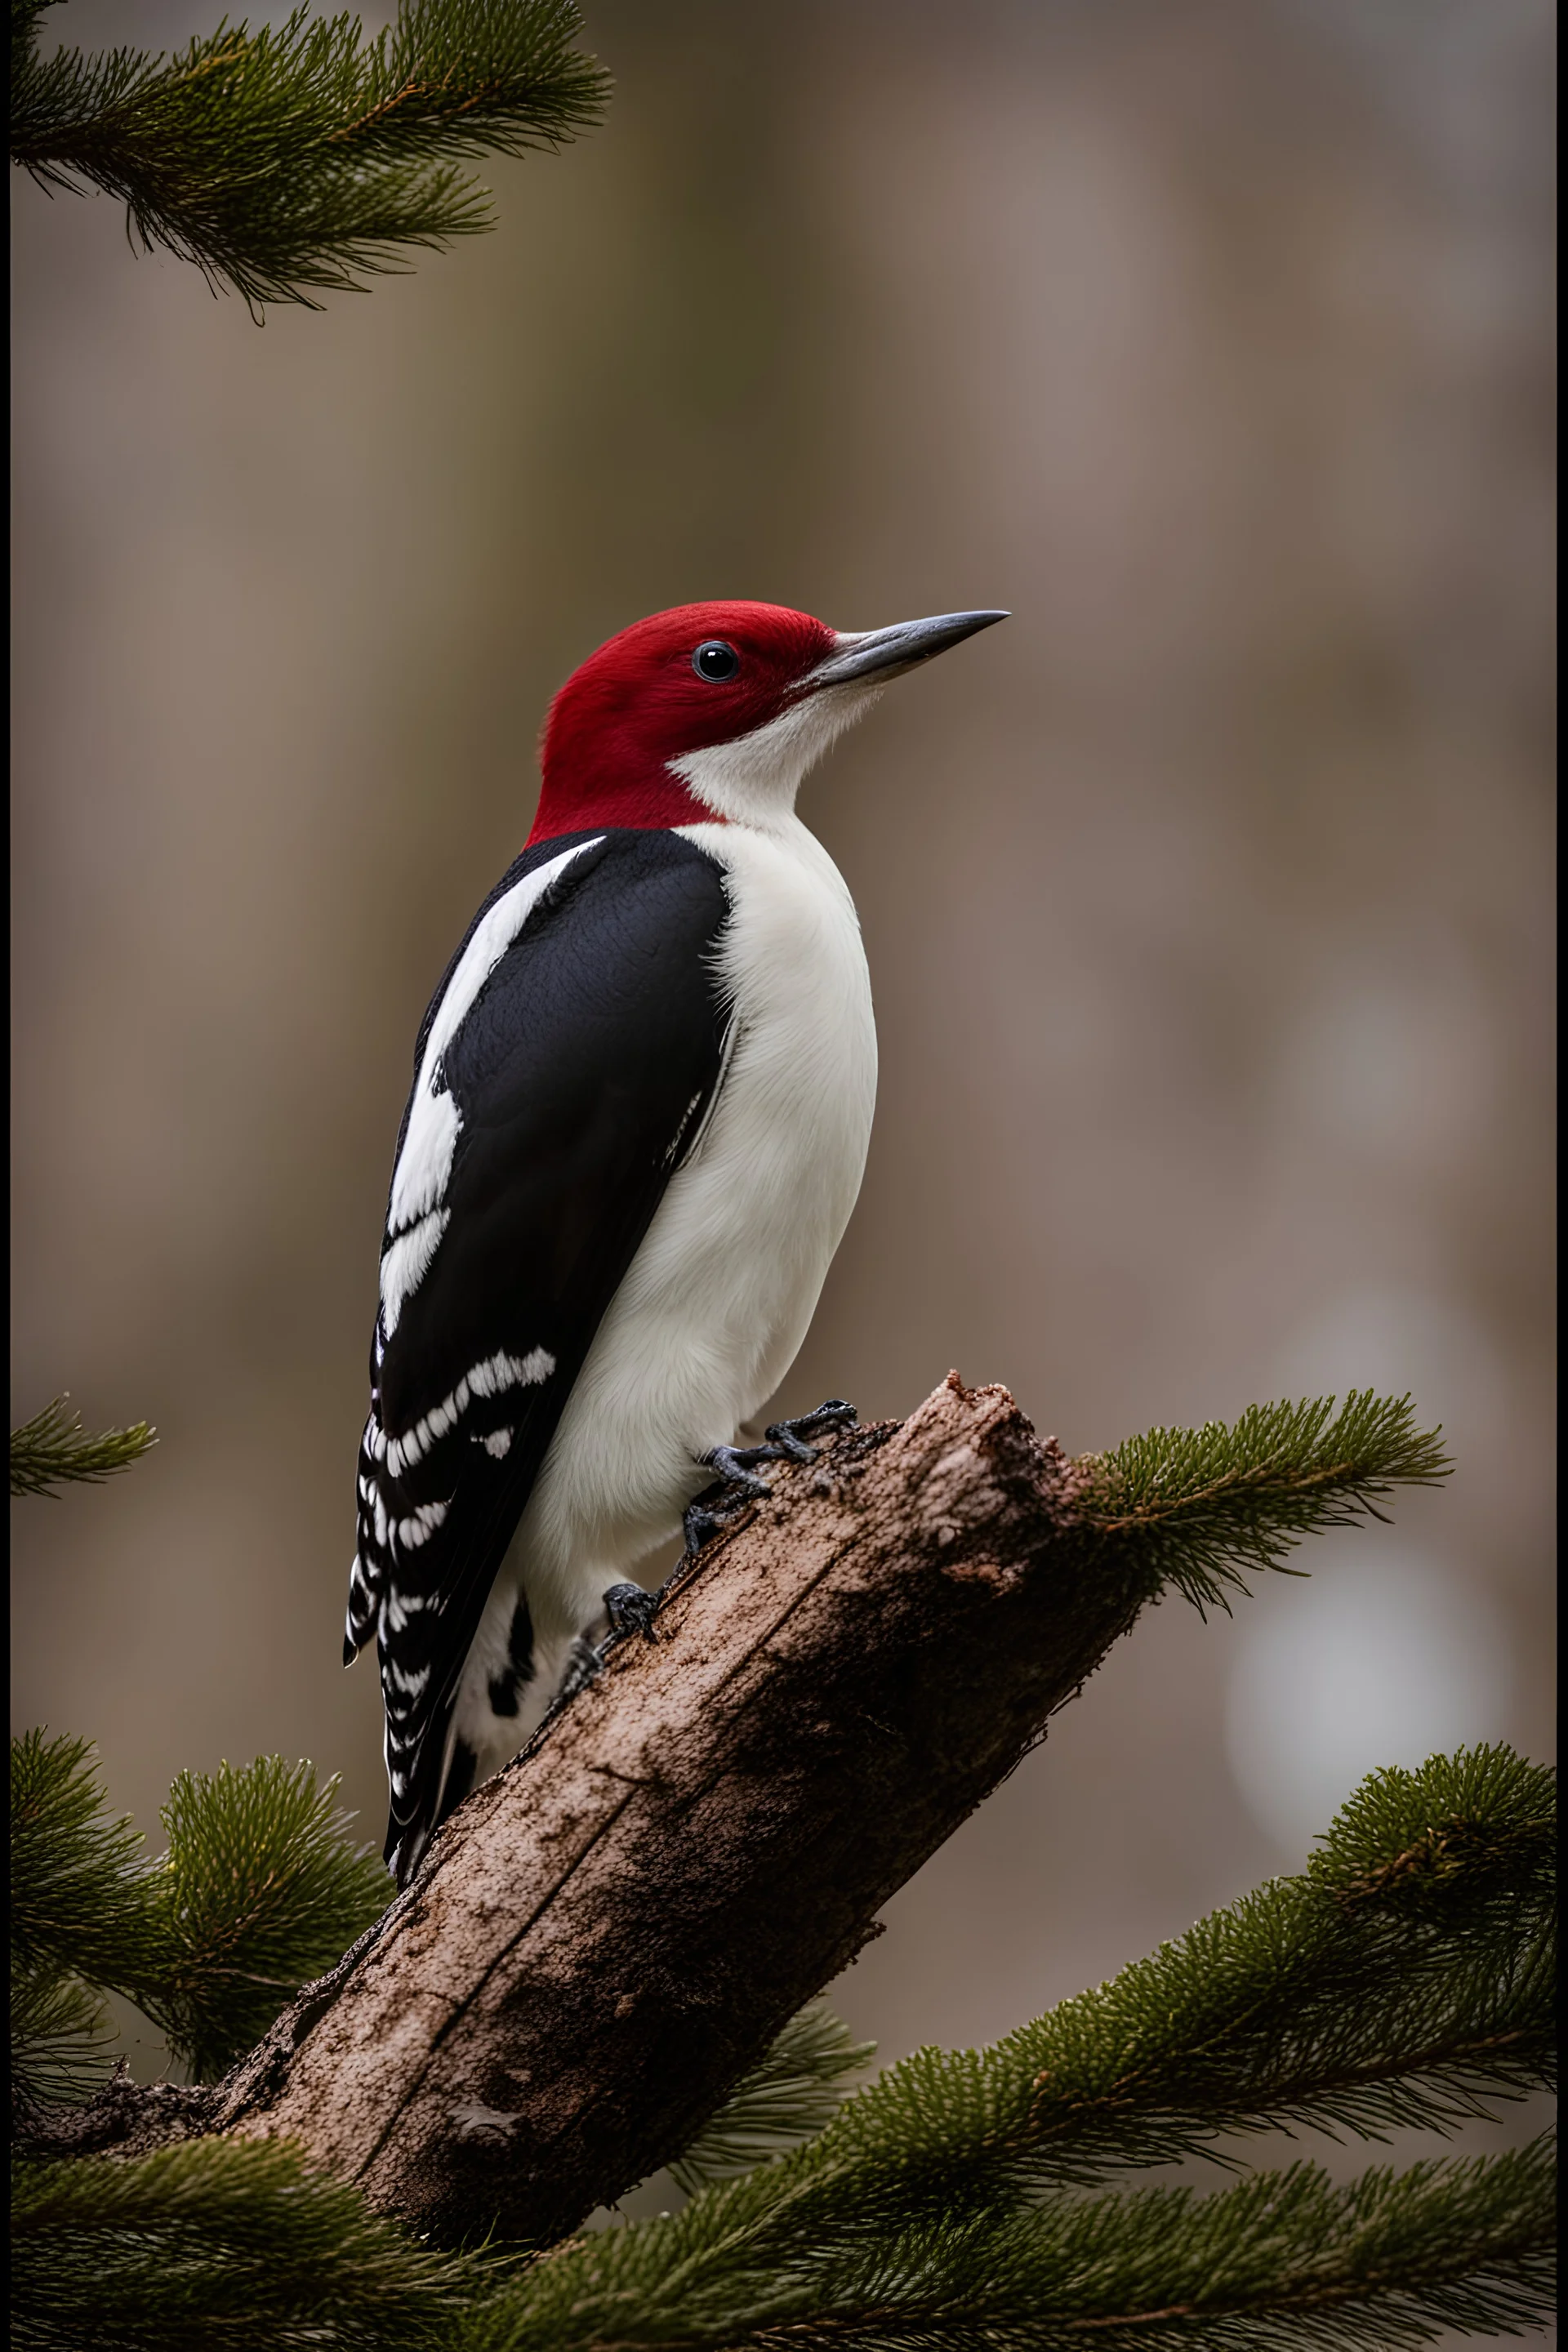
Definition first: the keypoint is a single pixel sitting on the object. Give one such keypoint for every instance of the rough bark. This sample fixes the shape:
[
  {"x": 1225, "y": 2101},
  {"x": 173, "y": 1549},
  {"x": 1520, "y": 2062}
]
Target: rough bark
[{"x": 606, "y": 1937}]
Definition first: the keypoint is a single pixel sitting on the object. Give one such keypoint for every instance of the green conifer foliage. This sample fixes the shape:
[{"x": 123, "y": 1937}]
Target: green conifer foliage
[
  {"x": 1406, "y": 1977},
  {"x": 53, "y": 1449},
  {"x": 219, "y": 2243},
  {"x": 79, "y": 1918},
  {"x": 970, "y": 2198},
  {"x": 260, "y": 1890},
  {"x": 1282, "y": 2259},
  {"x": 1202, "y": 1506},
  {"x": 796, "y": 2091},
  {"x": 291, "y": 161},
  {"x": 965, "y": 2200}
]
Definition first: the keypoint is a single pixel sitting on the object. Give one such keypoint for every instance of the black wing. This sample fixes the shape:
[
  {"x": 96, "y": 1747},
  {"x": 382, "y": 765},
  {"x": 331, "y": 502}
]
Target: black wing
[{"x": 550, "y": 1108}]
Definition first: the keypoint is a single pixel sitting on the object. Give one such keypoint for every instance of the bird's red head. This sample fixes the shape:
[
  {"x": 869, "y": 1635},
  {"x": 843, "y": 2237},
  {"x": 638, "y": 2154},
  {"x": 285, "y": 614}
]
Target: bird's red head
[
  {"x": 714, "y": 711},
  {"x": 682, "y": 681}
]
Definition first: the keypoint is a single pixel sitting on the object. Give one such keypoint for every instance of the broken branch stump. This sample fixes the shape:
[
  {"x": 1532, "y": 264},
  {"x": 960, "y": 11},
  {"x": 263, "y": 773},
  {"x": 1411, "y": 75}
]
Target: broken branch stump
[{"x": 606, "y": 1937}]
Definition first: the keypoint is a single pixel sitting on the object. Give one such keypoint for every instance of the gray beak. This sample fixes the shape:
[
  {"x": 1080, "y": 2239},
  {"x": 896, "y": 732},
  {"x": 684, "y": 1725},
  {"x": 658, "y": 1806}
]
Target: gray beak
[{"x": 882, "y": 654}]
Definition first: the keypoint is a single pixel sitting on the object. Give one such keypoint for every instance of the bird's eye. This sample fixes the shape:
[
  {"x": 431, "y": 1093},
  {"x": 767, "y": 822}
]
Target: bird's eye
[{"x": 715, "y": 661}]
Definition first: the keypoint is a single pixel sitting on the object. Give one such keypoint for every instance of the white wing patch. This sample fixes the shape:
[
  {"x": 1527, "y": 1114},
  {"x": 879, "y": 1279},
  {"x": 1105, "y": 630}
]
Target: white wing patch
[
  {"x": 422, "y": 1526},
  {"x": 407, "y": 1259},
  {"x": 485, "y": 1379},
  {"x": 399, "y": 1607},
  {"x": 416, "y": 1220}
]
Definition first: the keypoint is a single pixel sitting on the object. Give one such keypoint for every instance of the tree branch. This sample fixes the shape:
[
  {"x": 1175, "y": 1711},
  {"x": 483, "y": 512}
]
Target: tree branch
[
  {"x": 607, "y": 1936},
  {"x": 604, "y": 1938}
]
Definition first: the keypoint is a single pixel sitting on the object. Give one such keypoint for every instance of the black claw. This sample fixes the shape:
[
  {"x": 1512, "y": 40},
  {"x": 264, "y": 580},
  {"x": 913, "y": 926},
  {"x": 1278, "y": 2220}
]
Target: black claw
[
  {"x": 735, "y": 1465},
  {"x": 708, "y": 1516},
  {"x": 630, "y": 1610},
  {"x": 586, "y": 1666},
  {"x": 733, "y": 1487},
  {"x": 789, "y": 1436},
  {"x": 699, "y": 1526},
  {"x": 793, "y": 1448},
  {"x": 736, "y": 1486}
]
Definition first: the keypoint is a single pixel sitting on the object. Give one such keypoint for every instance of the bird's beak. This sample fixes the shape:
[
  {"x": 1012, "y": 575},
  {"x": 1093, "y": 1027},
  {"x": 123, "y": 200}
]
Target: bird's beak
[{"x": 878, "y": 654}]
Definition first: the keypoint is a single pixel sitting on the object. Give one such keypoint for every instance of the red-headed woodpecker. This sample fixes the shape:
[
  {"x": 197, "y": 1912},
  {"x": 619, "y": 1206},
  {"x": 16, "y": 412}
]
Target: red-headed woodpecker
[{"x": 642, "y": 1099}]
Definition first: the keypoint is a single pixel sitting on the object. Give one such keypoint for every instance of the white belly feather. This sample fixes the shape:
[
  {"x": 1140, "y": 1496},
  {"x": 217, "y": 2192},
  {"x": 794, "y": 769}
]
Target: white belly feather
[{"x": 717, "y": 1301}]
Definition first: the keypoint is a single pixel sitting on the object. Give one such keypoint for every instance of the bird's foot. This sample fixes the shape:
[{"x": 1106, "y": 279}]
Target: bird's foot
[
  {"x": 737, "y": 1483},
  {"x": 630, "y": 1610},
  {"x": 584, "y": 1665},
  {"x": 790, "y": 1437},
  {"x": 736, "y": 1465},
  {"x": 699, "y": 1522},
  {"x": 735, "y": 1486}
]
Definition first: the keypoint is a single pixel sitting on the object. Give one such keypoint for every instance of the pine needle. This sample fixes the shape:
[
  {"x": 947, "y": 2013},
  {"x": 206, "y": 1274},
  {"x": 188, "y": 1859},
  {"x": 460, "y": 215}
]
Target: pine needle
[
  {"x": 965, "y": 2201},
  {"x": 1206, "y": 1507},
  {"x": 262, "y": 1890},
  {"x": 60, "y": 2030},
  {"x": 53, "y": 1449},
  {"x": 1282, "y": 2259},
  {"x": 83, "y": 1917},
  {"x": 1406, "y": 1979},
  {"x": 219, "y": 2242},
  {"x": 962, "y": 2202}
]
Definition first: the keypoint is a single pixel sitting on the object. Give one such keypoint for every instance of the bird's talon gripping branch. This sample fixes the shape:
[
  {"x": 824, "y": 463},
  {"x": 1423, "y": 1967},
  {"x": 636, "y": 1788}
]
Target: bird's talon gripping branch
[
  {"x": 735, "y": 1465},
  {"x": 790, "y": 1437},
  {"x": 630, "y": 1610},
  {"x": 584, "y": 1666},
  {"x": 734, "y": 1487},
  {"x": 699, "y": 1523}
]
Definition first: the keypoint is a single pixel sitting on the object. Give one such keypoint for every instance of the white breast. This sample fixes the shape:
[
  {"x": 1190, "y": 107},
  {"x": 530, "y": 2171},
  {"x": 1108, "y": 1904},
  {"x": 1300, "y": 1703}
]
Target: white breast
[{"x": 715, "y": 1306}]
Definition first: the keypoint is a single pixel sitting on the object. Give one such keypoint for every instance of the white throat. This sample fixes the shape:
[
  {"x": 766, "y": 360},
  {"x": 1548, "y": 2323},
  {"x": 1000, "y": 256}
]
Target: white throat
[{"x": 753, "y": 780}]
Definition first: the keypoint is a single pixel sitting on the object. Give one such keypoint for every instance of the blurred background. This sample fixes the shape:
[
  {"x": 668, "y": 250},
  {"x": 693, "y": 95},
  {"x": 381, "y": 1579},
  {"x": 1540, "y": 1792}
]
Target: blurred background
[{"x": 1207, "y": 901}]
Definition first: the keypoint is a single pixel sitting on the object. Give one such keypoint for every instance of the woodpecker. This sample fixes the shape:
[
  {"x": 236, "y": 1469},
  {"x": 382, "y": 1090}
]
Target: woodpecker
[{"x": 642, "y": 1100}]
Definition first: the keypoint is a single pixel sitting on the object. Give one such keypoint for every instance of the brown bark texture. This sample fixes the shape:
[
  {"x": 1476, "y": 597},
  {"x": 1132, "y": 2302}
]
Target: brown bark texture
[{"x": 606, "y": 1937}]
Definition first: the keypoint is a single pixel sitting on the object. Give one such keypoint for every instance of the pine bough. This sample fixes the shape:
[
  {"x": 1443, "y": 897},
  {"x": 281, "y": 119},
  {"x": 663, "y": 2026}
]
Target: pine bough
[
  {"x": 53, "y": 1449},
  {"x": 290, "y": 162}
]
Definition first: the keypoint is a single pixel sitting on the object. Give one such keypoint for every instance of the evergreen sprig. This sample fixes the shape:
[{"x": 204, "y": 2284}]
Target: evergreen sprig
[
  {"x": 79, "y": 1881},
  {"x": 58, "y": 2028},
  {"x": 289, "y": 161},
  {"x": 260, "y": 1890},
  {"x": 972, "y": 2199},
  {"x": 54, "y": 1450},
  {"x": 82, "y": 1918},
  {"x": 1282, "y": 2259},
  {"x": 1204, "y": 1507},
  {"x": 219, "y": 2242},
  {"x": 1405, "y": 1979}
]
